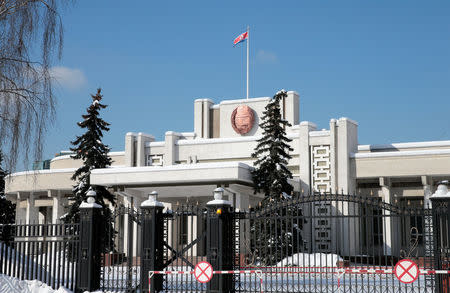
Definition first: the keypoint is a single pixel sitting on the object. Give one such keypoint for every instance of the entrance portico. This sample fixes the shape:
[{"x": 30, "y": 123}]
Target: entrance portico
[{"x": 182, "y": 183}]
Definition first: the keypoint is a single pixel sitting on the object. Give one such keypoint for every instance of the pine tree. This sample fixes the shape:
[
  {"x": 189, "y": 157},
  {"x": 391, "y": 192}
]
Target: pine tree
[
  {"x": 7, "y": 208},
  {"x": 271, "y": 173},
  {"x": 94, "y": 154},
  {"x": 276, "y": 233}
]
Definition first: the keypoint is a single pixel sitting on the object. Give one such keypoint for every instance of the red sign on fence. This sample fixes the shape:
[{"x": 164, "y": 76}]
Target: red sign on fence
[
  {"x": 203, "y": 272},
  {"x": 406, "y": 271}
]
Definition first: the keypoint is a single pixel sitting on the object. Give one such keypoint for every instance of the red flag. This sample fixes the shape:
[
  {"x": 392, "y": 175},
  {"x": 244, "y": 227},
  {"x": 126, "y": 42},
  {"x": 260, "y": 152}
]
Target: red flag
[{"x": 242, "y": 37}]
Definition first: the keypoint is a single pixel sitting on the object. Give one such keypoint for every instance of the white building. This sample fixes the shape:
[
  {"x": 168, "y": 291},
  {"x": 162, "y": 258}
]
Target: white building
[{"x": 188, "y": 166}]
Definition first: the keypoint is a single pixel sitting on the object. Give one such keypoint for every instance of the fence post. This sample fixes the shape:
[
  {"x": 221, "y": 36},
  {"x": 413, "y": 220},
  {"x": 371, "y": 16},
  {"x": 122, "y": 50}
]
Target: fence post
[
  {"x": 441, "y": 230},
  {"x": 90, "y": 249},
  {"x": 219, "y": 245},
  {"x": 152, "y": 243}
]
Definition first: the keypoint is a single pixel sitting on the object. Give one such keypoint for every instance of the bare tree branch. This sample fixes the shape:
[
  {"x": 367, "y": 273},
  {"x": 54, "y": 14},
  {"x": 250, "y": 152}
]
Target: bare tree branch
[{"x": 27, "y": 101}]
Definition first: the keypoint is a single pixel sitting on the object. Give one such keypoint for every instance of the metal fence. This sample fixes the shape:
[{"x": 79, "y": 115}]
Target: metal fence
[
  {"x": 46, "y": 252},
  {"x": 316, "y": 243},
  {"x": 306, "y": 244},
  {"x": 120, "y": 258},
  {"x": 184, "y": 246}
]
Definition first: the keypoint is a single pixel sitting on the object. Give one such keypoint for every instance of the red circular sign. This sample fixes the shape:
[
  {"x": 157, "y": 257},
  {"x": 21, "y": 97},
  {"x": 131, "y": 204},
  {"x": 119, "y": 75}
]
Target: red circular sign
[
  {"x": 406, "y": 271},
  {"x": 203, "y": 272}
]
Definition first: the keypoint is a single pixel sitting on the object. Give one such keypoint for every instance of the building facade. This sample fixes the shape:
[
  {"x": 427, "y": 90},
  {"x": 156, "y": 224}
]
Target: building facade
[{"x": 186, "y": 167}]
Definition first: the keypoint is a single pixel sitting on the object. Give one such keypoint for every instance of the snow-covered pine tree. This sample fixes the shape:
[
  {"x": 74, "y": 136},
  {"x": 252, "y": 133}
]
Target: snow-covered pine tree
[
  {"x": 271, "y": 173},
  {"x": 7, "y": 208},
  {"x": 277, "y": 233},
  {"x": 94, "y": 154}
]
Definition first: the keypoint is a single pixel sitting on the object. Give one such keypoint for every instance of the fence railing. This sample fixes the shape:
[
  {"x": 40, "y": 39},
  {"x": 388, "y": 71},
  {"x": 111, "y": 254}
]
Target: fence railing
[
  {"x": 310, "y": 243},
  {"x": 46, "y": 252}
]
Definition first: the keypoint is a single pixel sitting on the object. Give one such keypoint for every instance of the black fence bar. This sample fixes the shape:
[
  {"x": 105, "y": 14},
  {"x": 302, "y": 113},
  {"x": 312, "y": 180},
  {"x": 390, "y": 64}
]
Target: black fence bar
[{"x": 40, "y": 251}]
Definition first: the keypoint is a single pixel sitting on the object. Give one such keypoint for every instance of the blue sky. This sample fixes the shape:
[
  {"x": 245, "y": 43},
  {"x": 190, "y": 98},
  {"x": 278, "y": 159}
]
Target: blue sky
[{"x": 385, "y": 64}]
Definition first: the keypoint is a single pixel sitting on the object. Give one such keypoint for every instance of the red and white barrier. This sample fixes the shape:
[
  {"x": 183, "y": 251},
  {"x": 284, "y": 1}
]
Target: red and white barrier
[
  {"x": 257, "y": 272},
  {"x": 340, "y": 271}
]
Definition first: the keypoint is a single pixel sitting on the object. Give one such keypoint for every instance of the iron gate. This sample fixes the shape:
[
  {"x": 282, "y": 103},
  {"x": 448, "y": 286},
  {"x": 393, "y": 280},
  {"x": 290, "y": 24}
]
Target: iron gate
[
  {"x": 305, "y": 244},
  {"x": 120, "y": 258},
  {"x": 184, "y": 247}
]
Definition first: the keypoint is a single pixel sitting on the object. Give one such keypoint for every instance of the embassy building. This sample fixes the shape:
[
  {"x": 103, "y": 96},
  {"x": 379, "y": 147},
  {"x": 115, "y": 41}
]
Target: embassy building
[{"x": 188, "y": 166}]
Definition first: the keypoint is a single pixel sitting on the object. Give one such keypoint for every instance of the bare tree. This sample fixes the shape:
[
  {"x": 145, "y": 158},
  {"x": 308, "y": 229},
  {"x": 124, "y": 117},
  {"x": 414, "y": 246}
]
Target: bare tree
[{"x": 31, "y": 35}]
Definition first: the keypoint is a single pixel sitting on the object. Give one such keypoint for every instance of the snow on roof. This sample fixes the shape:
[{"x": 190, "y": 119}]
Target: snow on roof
[
  {"x": 401, "y": 153},
  {"x": 173, "y": 167},
  {"x": 404, "y": 145}
]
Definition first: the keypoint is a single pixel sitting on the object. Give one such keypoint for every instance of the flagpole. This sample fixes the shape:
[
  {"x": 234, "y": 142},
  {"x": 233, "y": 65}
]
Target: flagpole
[{"x": 248, "y": 44}]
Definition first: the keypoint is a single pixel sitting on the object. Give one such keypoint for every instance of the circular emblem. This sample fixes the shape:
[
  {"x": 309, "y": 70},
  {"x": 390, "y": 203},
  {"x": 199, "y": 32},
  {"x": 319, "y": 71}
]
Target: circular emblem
[
  {"x": 406, "y": 271},
  {"x": 242, "y": 119},
  {"x": 203, "y": 272}
]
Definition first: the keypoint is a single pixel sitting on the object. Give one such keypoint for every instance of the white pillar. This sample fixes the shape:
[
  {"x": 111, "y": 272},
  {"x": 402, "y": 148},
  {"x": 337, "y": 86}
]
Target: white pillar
[
  {"x": 127, "y": 204},
  {"x": 20, "y": 209},
  {"x": 206, "y": 117},
  {"x": 387, "y": 221},
  {"x": 304, "y": 155},
  {"x": 142, "y": 140},
  {"x": 58, "y": 206},
  {"x": 291, "y": 105},
  {"x": 333, "y": 151},
  {"x": 347, "y": 143},
  {"x": 170, "y": 149},
  {"x": 130, "y": 148},
  {"x": 32, "y": 211},
  {"x": 198, "y": 118},
  {"x": 428, "y": 219}
]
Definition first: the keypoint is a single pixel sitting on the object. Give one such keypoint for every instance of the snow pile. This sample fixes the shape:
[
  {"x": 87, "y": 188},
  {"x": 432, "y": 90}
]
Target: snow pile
[
  {"x": 311, "y": 260},
  {"x": 12, "y": 285}
]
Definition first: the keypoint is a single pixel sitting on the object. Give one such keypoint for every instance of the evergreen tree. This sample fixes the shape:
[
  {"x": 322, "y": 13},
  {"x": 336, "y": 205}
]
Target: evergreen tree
[
  {"x": 276, "y": 233},
  {"x": 7, "y": 208},
  {"x": 271, "y": 173},
  {"x": 94, "y": 154}
]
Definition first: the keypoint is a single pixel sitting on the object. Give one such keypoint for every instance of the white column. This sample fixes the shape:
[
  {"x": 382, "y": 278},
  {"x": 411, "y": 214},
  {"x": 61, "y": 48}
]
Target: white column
[
  {"x": 198, "y": 118},
  {"x": 170, "y": 149},
  {"x": 127, "y": 204},
  {"x": 32, "y": 211},
  {"x": 347, "y": 143},
  {"x": 129, "y": 149},
  {"x": 206, "y": 117},
  {"x": 387, "y": 221},
  {"x": 20, "y": 209},
  {"x": 292, "y": 102},
  {"x": 136, "y": 203},
  {"x": 58, "y": 206},
  {"x": 333, "y": 151},
  {"x": 304, "y": 155},
  {"x": 142, "y": 140}
]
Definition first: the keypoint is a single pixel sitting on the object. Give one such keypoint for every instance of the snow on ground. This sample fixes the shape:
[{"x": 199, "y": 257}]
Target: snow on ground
[
  {"x": 311, "y": 260},
  {"x": 13, "y": 285}
]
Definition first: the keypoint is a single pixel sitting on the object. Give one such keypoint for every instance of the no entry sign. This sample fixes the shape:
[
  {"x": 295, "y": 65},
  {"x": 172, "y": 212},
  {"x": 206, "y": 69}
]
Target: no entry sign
[
  {"x": 406, "y": 271},
  {"x": 203, "y": 272}
]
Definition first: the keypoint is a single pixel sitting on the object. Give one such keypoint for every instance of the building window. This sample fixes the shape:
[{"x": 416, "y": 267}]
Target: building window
[{"x": 154, "y": 160}]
